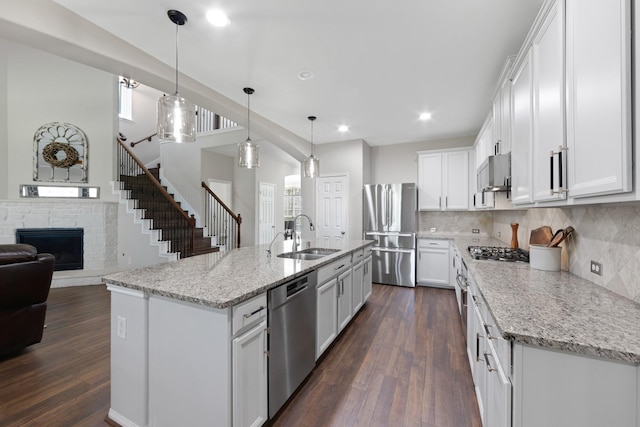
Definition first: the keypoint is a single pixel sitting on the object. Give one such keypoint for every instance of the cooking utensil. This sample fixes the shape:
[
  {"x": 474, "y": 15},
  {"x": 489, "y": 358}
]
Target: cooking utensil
[
  {"x": 541, "y": 236},
  {"x": 560, "y": 236}
]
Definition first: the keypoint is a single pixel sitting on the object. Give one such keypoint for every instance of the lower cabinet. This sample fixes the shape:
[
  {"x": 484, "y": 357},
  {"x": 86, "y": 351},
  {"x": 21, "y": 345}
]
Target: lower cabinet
[
  {"x": 357, "y": 288},
  {"x": 491, "y": 372},
  {"x": 433, "y": 263},
  {"x": 249, "y": 377},
  {"x": 343, "y": 287},
  {"x": 327, "y": 315},
  {"x": 366, "y": 277},
  {"x": 345, "y": 310}
]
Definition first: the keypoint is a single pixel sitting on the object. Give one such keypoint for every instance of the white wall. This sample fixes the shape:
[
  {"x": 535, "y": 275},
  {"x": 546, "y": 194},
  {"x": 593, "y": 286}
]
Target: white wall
[
  {"x": 341, "y": 158},
  {"x": 43, "y": 88},
  {"x": 398, "y": 163},
  {"x": 135, "y": 248}
]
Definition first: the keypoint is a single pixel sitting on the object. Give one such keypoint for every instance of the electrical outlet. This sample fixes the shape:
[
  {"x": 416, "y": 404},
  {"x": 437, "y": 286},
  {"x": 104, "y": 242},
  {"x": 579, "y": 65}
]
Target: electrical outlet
[
  {"x": 596, "y": 268},
  {"x": 499, "y": 234},
  {"x": 475, "y": 230},
  {"x": 122, "y": 327}
]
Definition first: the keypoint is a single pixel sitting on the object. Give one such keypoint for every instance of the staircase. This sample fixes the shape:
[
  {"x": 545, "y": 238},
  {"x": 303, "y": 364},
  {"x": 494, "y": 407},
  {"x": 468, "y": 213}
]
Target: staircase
[
  {"x": 154, "y": 207},
  {"x": 158, "y": 209}
]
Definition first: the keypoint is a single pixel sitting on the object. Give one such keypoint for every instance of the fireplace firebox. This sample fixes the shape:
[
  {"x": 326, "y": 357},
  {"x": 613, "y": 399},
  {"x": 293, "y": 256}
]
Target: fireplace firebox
[{"x": 65, "y": 244}]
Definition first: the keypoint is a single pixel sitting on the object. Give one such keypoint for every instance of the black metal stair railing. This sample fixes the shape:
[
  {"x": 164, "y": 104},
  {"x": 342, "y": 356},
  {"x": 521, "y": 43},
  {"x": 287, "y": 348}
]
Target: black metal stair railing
[
  {"x": 220, "y": 221},
  {"x": 166, "y": 215}
]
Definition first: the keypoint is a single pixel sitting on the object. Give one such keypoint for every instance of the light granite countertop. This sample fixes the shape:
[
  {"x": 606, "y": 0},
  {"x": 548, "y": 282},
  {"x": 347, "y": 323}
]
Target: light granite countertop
[
  {"x": 556, "y": 310},
  {"x": 224, "y": 279}
]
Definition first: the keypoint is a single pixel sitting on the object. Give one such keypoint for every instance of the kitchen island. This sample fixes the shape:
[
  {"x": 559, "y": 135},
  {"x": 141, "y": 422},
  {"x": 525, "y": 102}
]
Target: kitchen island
[
  {"x": 548, "y": 348},
  {"x": 180, "y": 332}
]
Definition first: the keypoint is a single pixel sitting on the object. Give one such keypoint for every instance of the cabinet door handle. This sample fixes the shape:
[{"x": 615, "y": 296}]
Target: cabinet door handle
[
  {"x": 446, "y": 202},
  {"x": 478, "y": 336},
  {"x": 440, "y": 201},
  {"x": 551, "y": 172},
  {"x": 262, "y": 307},
  {"x": 486, "y": 328},
  {"x": 486, "y": 360}
]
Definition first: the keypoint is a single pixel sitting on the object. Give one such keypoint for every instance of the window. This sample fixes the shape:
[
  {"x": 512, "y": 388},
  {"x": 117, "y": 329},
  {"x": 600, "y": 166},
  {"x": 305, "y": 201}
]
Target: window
[
  {"x": 292, "y": 202},
  {"x": 125, "y": 109}
]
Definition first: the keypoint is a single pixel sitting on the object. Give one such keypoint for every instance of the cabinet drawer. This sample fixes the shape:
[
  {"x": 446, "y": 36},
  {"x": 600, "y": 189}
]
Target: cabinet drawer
[
  {"x": 367, "y": 251},
  {"x": 249, "y": 312},
  {"x": 433, "y": 243},
  {"x": 331, "y": 270},
  {"x": 358, "y": 256}
]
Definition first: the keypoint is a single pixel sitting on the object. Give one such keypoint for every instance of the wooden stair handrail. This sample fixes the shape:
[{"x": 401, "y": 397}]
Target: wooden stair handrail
[
  {"x": 159, "y": 187},
  {"x": 133, "y": 144},
  {"x": 237, "y": 218}
]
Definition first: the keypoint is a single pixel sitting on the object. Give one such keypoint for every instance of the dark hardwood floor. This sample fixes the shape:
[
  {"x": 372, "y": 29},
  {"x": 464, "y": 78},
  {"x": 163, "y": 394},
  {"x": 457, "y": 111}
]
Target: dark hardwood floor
[
  {"x": 64, "y": 380},
  {"x": 401, "y": 362}
]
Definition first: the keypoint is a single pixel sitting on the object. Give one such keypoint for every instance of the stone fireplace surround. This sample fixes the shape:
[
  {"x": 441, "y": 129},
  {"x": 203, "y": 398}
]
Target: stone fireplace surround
[{"x": 98, "y": 219}]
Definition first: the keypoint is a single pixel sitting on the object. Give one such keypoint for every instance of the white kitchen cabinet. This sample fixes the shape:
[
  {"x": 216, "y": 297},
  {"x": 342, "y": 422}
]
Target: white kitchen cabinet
[
  {"x": 357, "y": 295},
  {"x": 345, "y": 309},
  {"x": 547, "y": 52},
  {"x": 498, "y": 392},
  {"x": 433, "y": 263},
  {"x": 249, "y": 377},
  {"x": 483, "y": 146},
  {"x": 598, "y": 97},
  {"x": 327, "y": 315},
  {"x": 443, "y": 180},
  {"x": 502, "y": 112},
  {"x": 367, "y": 276},
  {"x": 558, "y": 388},
  {"x": 521, "y": 132}
]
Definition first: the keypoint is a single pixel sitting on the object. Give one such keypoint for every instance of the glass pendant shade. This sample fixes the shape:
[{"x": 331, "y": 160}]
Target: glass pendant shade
[
  {"x": 248, "y": 152},
  {"x": 248, "y": 155},
  {"x": 176, "y": 115},
  {"x": 311, "y": 167},
  {"x": 176, "y": 119}
]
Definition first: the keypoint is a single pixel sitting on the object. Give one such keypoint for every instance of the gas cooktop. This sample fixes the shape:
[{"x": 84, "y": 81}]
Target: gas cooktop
[{"x": 499, "y": 253}]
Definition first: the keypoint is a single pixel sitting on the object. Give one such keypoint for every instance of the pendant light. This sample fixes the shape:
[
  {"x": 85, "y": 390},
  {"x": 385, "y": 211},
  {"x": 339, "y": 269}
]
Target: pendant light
[
  {"x": 176, "y": 115},
  {"x": 311, "y": 165},
  {"x": 248, "y": 152}
]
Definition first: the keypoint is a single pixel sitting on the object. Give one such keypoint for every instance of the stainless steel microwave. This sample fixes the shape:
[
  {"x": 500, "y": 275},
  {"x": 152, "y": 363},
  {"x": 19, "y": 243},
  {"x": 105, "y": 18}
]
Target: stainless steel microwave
[{"x": 494, "y": 174}]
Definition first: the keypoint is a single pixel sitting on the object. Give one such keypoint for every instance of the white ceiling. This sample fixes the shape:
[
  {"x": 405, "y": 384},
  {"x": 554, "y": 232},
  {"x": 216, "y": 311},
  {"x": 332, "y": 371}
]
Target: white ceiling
[{"x": 377, "y": 64}]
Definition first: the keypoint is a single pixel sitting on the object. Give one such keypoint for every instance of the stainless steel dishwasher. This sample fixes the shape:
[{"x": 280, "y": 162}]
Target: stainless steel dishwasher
[{"x": 292, "y": 337}]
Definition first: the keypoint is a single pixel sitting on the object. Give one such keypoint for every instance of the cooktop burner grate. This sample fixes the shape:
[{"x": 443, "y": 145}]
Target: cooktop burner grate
[{"x": 499, "y": 253}]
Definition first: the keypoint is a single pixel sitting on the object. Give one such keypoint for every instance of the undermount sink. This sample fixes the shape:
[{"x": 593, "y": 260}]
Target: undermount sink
[{"x": 309, "y": 254}]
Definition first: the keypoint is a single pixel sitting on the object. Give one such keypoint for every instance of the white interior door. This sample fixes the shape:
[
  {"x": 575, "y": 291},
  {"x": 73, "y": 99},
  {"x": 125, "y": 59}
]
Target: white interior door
[
  {"x": 332, "y": 212},
  {"x": 267, "y": 214}
]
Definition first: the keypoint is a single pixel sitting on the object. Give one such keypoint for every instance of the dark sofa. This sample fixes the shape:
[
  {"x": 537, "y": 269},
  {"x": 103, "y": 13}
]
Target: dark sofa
[{"x": 25, "y": 279}]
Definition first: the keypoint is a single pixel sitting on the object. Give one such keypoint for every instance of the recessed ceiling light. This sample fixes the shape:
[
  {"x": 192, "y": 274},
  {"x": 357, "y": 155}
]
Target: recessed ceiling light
[
  {"x": 425, "y": 116},
  {"x": 343, "y": 128},
  {"x": 306, "y": 75},
  {"x": 217, "y": 18}
]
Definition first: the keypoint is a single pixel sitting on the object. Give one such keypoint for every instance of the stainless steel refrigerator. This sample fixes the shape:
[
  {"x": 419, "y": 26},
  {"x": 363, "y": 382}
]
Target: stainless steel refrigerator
[{"x": 390, "y": 220}]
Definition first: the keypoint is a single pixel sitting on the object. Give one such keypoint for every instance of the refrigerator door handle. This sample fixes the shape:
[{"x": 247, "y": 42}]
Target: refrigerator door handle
[
  {"x": 404, "y": 251},
  {"x": 390, "y": 233}
]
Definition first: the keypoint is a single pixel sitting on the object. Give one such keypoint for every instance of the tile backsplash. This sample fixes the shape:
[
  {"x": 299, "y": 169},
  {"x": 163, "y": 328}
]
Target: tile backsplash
[
  {"x": 607, "y": 234},
  {"x": 455, "y": 222}
]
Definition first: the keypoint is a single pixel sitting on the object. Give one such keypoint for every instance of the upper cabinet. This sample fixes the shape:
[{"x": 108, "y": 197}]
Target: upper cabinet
[
  {"x": 484, "y": 145},
  {"x": 501, "y": 142},
  {"x": 571, "y": 105},
  {"x": 598, "y": 97},
  {"x": 522, "y": 131},
  {"x": 547, "y": 52},
  {"x": 443, "y": 180}
]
